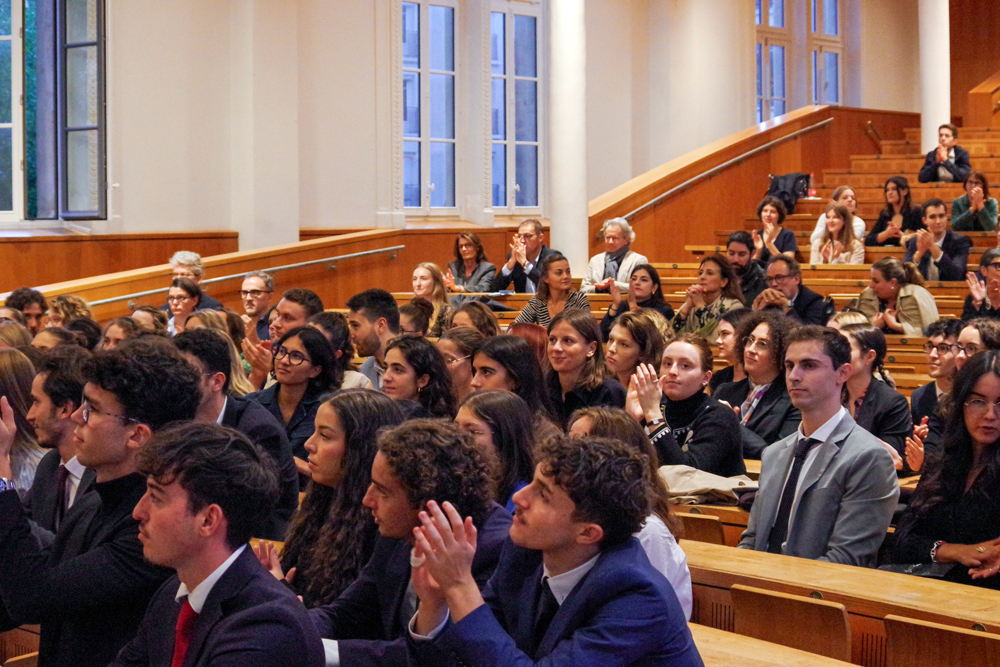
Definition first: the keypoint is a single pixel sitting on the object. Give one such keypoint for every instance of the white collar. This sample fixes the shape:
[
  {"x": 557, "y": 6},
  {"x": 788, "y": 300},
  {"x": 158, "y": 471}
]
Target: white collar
[
  {"x": 200, "y": 593},
  {"x": 824, "y": 432},
  {"x": 75, "y": 468},
  {"x": 222, "y": 413},
  {"x": 563, "y": 584}
]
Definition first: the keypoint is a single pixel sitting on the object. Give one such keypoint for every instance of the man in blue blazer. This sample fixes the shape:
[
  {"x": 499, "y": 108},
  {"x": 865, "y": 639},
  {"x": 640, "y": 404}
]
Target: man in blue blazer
[
  {"x": 828, "y": 491},
  {"x": 207, "y": 489},
  {"x": 573, "y": 586},
  {"x": 940, "y": 254},
  {"x": 948, "y": 161}
]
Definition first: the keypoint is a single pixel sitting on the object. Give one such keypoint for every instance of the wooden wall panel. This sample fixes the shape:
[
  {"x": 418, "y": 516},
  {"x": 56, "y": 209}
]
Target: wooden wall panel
[{"x": 975, "y": 50}]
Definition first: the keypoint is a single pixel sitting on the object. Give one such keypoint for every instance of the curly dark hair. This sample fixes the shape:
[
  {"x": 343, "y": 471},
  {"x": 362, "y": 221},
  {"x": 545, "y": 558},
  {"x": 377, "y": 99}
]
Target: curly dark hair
[
  {"x": 435, "y": 460},
  {"x": 779, "y": 326},
  {"x": 22, "y": 297},
  {"x": 606, "y": 480},
  {"x": 510, "y": 419},
  {"x": 90, "y": 330},
  {"x": 436, "y": 397},
  {"x": 152, "y": 380},
  {"x": 63, "y": 369},
  {"x": 333, "y": 534}
]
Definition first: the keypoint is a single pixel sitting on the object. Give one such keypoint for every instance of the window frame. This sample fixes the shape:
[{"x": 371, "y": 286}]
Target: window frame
[
  {"x": 820, "y": 43},
  {"x": 17, "y": 172}
]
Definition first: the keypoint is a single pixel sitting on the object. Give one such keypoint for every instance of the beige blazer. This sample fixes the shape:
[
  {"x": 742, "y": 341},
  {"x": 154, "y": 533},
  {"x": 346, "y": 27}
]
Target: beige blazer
[{"x": 915, "y": 305}]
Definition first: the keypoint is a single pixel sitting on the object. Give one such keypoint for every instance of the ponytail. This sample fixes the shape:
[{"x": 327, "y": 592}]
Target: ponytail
[{"x": 913, "y": 276}]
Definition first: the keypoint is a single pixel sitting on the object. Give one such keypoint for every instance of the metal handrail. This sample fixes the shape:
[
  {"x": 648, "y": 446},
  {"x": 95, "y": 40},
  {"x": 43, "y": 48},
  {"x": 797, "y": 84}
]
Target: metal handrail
[
  {"x": 332, "y": 260},
  {"x": 686, "y": 184}
]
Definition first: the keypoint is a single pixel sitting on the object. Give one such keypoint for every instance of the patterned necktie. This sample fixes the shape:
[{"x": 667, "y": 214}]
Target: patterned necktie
[
  {"x": 780, "y": 530},
  {"x": 182, "y": 636}
]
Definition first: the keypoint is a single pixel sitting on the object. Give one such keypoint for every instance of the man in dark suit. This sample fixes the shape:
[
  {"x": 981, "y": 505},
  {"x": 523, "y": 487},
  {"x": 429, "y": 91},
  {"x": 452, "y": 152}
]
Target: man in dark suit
[
  {"x": 948, "y": 162},
  {"x": 60, "y": 477},
  {"x": 90, "y": 589},
  {"x": 828, "y": 491},
  {"x": 925, "y": 401},
  {"x": 208, "y": 351},
  {"x": 524, "y": 261},
  {"x": 207, "y": 489},
  {"x": 785, "y": 292},
  {"x": 417, "y": 461},
  {"x": 573, "y": 585},
  {"x": 940, "y": 254}
]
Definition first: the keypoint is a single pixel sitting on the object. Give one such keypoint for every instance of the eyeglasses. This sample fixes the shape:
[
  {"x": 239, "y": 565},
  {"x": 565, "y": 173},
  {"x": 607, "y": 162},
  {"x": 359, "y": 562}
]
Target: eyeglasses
[
  {"x": 177, "y": 299},
  {"x": 760, "y": 343},
  {"x": 943, "y": 348},
  {"x": 295, "y": 358},
  {"x": 452, "y": 362},
  {"x": 969, "y": 349},
  {"x": 993, "y": 265},
  {"x": 525, "y": 237},
  {"x": 87, "y": 408},
  {"x": 770, "y": 280},
  {"x": 978, "y": 407},
  {"x": 254, "y": 293}
]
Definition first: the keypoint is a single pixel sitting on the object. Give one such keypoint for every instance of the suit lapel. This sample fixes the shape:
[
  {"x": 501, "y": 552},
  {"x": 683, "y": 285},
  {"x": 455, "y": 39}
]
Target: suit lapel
[
  {"x": 398, "y": 571},
  {"x": 827, "y": 451},
  {"x": 768, "y": 509},
  {"x": 228, "y": 585}
]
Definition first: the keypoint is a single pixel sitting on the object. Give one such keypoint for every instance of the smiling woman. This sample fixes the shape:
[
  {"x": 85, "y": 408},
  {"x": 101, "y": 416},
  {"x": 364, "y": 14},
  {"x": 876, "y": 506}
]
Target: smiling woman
[{"x": 555, "y": 294}]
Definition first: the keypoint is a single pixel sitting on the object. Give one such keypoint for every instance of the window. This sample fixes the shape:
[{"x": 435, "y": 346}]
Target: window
[
  {"x": 826, "y": 47},
  {"x": 773, "y": 42},
  {"x": 11, "y": 116}
]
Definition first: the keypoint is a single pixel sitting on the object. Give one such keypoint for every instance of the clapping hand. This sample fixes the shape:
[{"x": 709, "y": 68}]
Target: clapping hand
[
  {"x": 826, "y": 253},
  {"x": 449, "y": 282},
  {"x": 633, "y": 303},
  {"x": 976, "y": 198},
  {"x": 915, "y": 447},
  {"x": 518, "y": 252},
  {"x": 268, "y": 557},
  {"x": 8, "y": 430},
  {"x": 977, "y": 288},
  {"x": 942, "y": 153},
  {"x": 925, "y": 241},
  {"x": 758, "y": 242},
  {"x": 647, "y": 391},
  {"x": 616, "y": 295}
]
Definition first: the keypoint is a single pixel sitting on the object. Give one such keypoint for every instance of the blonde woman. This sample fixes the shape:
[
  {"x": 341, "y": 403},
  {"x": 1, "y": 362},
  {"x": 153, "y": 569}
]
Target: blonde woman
[
  {"x": 896, "y": 300},
  {"x": 837, "y": 244},
  {"x": 239, "y": 383},
  {"x": 428, "y": 282},
  {"x": 66, "y": 307}
]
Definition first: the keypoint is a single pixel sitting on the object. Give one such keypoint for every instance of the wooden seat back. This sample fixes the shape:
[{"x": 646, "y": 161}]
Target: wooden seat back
[
  {"x": 702, "y": 528},
  {"x": 913, "y": 643}
]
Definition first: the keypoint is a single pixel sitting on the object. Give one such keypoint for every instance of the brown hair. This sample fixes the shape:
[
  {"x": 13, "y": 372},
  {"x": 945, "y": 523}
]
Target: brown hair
[
  {"x": 846, "y": 235},
  {"x": 778, "y": 205},
  {"x": 439, "y": 297},
  {"x": 542, "y": 290},
  {"x": 472, "y": 238},
  {"x": 482, "y": 317},
  {"x": 732, "y": 288},
  {"x": 893, "y": 269},
  {"x": 648, "y": 336},
  {"x": 704, "y": 349},
  {"x": 594, "y": 369}
]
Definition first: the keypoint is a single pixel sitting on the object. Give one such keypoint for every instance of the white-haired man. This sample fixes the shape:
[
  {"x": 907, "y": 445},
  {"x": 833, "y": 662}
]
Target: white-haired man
[
  {"x": 187, "y": 264},
  {"x": 618, "y": 261}
]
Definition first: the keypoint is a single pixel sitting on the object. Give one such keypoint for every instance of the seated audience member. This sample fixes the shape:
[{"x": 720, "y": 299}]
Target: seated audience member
[
  {"x": 60, "y": 477},
  {"x": 374, "y": 320},
  {"x": 846, "y": 317},
  {"x": 188, "y": 265},
  {"x": 337, "y": 330},
  {"x": 239, "y": 383},
  {"x": 813, "y": 502},
  {"x": 293, "y": 311},
  {"x": 657, "y": 535},
  {"x": 509, "y": 363},
  {"x": 686, "y": 425},
  {"x": 774, "y": 239},
  {"x": 554, "y": 295},
  {"x": 501, "y": 422},
  {"x": 91, "y": 589},
  {"x": 416, "y": 373},
  {"x": 415, "y": 316},
  {"x": 64, "y": 308},
  {"x": 208, "y": 351},
  {"x": 739, "y": 252},
  {"x": 954, "y": 516},
  {"x": 537, "y": 338},
  {"x": 940, "y": 254},
  {"x": 207, "y": 488},
  {"x": 16, "y": 382},
  {"x": 925, "y": 402},
  {"x": 617, "y": 262},
  {"x": 149, "y": 317},
  {"x": 896, "y": 300},
  {"x": 974, "y": 337},
  {"x": 458, "y": 348},
  {"x": 716, "y": 292},
  {"x": 255, "y": 295},
  {"x": 333, "y": 535},
  {"x": 948, "y": 162},
  {"x": 785, "y": 293},
  {"x": 13, "y": 334},
  {"x": 304, "y": 370},
  {"x": 573, "y": 561},
  {"x": 837, "y": 243},
  {"x": 31, "y": 304},
  {"x": 12, "y": 314},
  {"x": 90, "y": 330},
  {"x": 183, "y": 298},
  {"x": 875, "y": 406},
  {"x": 579, "y": 377},
  {"x": 984, "y": 291},
  {"x": 843, "y": 196},
  {"x": 644, "y": 291},
  {"x": 635, "y": 339},
  {"x": 428, "y": 282},
  {"x": 899, "y": 220},
  {"x": 766, "y": 413},
  {"x": 730, "y": 325},
  {"x": 52, "y": 337},
  {"x": 471, "y": 271},
  {"x": 524, "y": 261},
  {"x": 975, "y": 211},
  {"x": 417, "y": 462},
  {"x": 478, "y": 316}
]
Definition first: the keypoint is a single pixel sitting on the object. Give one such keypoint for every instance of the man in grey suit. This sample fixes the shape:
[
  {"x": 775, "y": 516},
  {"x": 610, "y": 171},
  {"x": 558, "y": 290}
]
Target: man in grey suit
[{"x": 828, "y": 491}]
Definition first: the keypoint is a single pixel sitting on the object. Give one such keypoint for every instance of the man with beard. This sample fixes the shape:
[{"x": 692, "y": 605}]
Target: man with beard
[
  {"x": 373, "y": 317},
  {"x": 294, "y": 310},
  {"x": 739, "y": 251}
]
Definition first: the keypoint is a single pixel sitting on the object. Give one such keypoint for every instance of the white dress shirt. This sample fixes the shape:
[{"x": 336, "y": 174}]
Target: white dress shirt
[
  {"x": 197, "y": 597},
  {"x": 75, "y": 470},
  {"x": 822, "y": 434}
]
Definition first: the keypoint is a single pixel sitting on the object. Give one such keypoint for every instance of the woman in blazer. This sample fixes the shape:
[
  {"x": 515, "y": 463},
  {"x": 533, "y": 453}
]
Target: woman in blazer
[
  {"x": 470, "y": 272},
  {"x": 896, "y": 300}
]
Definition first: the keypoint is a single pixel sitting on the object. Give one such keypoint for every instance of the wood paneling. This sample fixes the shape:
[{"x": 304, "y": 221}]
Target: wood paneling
[
  {"x": 975, "y": 50},
  {"x": 982, "y": 101}
]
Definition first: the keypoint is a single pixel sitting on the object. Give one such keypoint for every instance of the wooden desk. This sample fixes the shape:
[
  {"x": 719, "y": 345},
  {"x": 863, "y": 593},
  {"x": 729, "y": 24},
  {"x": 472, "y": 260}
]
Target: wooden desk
[
  {"x": 753, "y": 468},
  {"x": 869, "y": 595},
  {"x": 734, "y": 519},
  {"x": 725, "y": 649}
]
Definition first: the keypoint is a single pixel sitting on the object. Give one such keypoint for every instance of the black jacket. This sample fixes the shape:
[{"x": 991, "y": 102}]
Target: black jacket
[
  {"x": 41, "y": 501},
  {"x": 300, "y": 426},
  {"x": 752, "y": 282},
  {"x": 913, "y": 220},
  {"x": 702, "y": 433},
  {"x": 885, "y": 413},
  {"x": 774, "y": 417},
  {"x": 959, "y": 167},
  {"x": 924, "y": 403},
  {"x": 610, "y": 393},
  {"x": 954, "y": 262},
  {"x": 517, "y": 274},
  {"x": 809, "y": 307}
]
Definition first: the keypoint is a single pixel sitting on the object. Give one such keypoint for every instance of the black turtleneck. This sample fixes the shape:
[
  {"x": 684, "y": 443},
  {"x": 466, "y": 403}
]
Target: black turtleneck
[{"x": 701, "y": 433}]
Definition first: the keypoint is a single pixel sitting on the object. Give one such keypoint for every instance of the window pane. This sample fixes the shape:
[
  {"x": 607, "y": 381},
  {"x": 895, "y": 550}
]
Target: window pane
[
  {"x": 499, "y": 178},
  {"x": 815, "y": 78},
  {"x": 777, "y": 108},
  {"x": 814, "y": 15},
  {"x": 81, "y": 170},
  {"x": 758, "y": 12},
  {"x": 442, "y": 38},
  {"x": 524, "y": 46},
  {"x": 526, "y": 173},
  {"x": 525, "y": 111},
  {"x": 411, "y": 173},
  {"x": 498, "y": 53},
  {"x": 776, "y": 14},
  {"x": 760, "y": 110},
  {"x": 498, "y": 118},
  {"x": 81, "y": 86},
  {"x": 411, "y": 104},
  {"x": 830, "y": 17},
  {"x": 81, "y": 21},
  {"x": 760, "y": 73},
  {"x": 443, "y": 173},
  {"x": 5, "y": 112},
  {"x": 777, "y": 55},
  {"x": 831, "y": 72},
  {"x": 6, "y": 171},
  {"x": 5, "y": 17},
  {"x": 411, "y": 35},
  {"x": 442, "y": 106}
]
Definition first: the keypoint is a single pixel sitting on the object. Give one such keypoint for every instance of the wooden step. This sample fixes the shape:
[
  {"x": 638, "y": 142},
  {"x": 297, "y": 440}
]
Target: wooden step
[
  {"x": 964, "y": 134},
  {"x": 872, "y": 254},
  {"x": 803, "y": 230}
]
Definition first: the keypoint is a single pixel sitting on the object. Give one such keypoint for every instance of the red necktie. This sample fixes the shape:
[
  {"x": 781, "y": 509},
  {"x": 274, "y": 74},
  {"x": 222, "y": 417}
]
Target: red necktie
[{"x": 185, "y": 623}]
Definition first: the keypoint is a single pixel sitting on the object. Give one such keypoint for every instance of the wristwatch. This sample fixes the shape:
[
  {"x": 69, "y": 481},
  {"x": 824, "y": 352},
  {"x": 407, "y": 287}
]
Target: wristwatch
[{"x": 7, "y": 484}]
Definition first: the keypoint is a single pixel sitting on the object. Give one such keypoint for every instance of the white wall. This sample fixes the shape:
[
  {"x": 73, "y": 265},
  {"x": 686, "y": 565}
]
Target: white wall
[{"x": 889, "y": 47}]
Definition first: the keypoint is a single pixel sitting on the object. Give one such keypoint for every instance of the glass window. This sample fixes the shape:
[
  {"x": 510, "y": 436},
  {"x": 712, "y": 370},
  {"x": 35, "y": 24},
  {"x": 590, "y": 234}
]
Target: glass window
[
  {"x": 7, "y": 177},
  {"x": 830, "y": 17},
  {"x": 776, "y": 13},
  {"x": 498, "y": 109},
  {"x": 777, "y": 58},
  {"x": 831, "y": 77},
  {"x": 757, "y": 12},
  {"x": 517, "y": 95}
]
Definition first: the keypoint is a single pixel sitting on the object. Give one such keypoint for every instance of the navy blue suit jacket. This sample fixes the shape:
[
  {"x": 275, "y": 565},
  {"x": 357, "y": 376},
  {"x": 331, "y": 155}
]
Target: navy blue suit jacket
[
  {"x": 249, "y": 618},
  {"x": 954, "y": 262},
  {"x": 959, "y": 167},
  {"x": 300, "y": 426},
  {"x": 41, "y": 501},
  {"x": 623, "y": 612}
]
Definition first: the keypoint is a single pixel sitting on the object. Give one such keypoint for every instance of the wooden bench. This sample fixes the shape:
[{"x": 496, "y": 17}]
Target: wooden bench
[{"x": 719, "y": 648}]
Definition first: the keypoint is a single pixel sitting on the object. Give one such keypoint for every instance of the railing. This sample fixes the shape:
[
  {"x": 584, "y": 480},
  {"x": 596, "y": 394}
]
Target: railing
[
  {"x": 873, "y": 132},
  {"x": 332, "y": 261}
]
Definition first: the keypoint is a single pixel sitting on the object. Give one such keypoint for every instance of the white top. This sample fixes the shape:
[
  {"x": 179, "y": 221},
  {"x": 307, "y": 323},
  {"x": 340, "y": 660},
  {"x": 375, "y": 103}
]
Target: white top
[
  {"x": 563, "y": 584},
  {"x": 197, "y": 597},
  {"x": 668, "y": 558},
  {"x": 75, "y": 470},
  {"x": 857, "y": 223}
]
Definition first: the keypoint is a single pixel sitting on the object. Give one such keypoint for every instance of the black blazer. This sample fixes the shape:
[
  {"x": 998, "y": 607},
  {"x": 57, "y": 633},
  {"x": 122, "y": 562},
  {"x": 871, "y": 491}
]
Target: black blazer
[
  {"x": 249, "y": 618},
  {"x": 517, "y": 274},
  {"x": 924, "y": 403},
  {"x": 774, "y": 417},
  {"x": 809, "y": 307},
  {"x": 913, "y": 220},
  {"x": 885, "y": 413},
  {"x": 42, "y": 499},
  {"x": 959, "y": 168},
  {"x": 368, "y": 619},
  {"x": 610, "y": 392},
  {"x": 753, "y": 282},
  {"x": 254, "y": 421},
  {"x": 954, "y": 262}
]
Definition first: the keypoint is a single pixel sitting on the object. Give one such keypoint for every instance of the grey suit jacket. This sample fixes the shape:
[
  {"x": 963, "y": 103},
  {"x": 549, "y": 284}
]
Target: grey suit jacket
[{"x": 845, "y": 504}]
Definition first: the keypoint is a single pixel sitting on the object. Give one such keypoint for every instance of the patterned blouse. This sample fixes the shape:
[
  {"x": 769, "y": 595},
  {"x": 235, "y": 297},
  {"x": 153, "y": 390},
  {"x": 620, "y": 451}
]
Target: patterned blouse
[
  {"x": 704, "y": 321},
  {"x": 536, "y": 311}
]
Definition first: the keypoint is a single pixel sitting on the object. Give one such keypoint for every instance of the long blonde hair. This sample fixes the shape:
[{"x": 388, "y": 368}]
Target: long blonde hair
[
  {"x": 846, "y": 235},
  {"x": 239, "y": 383},
  {"x": 439, "y": 297}
]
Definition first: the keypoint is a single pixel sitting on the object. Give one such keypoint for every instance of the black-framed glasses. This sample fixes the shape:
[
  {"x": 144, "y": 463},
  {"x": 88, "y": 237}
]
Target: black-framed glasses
[
  {"x": 87, "y": 408},
  {"x": 760, "y": 343},
  {"x": 978, "y": 407},
  {"x": 993, "y": 265},
  {"x": 770, "y": 280},
  {"x": 969, "y": 348},
  {"x": 943, "y": 348},
  {"x": 295, "y": 358},
  {"x": 253, "y": 293}
]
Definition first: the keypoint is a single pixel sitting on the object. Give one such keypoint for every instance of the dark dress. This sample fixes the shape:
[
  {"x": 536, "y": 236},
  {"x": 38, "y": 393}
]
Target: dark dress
[
  {"x": 912, "y": 221},
  {"x": 610, "y": 392},
  {"x": 785, "y": 242},
  {"x": 702, "y": 433},
  {"x": 608, "y": 320},
  {"x": 303, "y": 420},
  {"x": 773, "y": 419}
]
